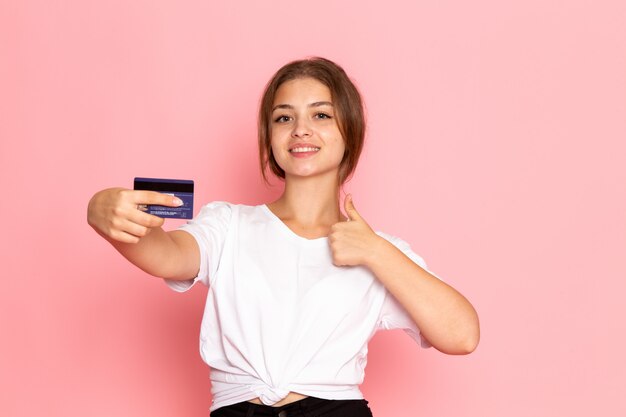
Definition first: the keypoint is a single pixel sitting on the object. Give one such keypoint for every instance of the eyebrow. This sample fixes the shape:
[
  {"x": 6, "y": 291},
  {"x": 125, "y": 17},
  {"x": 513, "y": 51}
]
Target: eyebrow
[{"x": 316, "y": 104}]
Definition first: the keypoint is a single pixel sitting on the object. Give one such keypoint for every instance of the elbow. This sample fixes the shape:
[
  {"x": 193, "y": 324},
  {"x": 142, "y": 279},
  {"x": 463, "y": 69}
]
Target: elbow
[
  {"x": 469, "y": 345},
  {"x": 462, "y": 347},
  {"x": 471, "y": 337},
  {"x": 469, "y": 342},
  {"x": 462, "y": 344}
]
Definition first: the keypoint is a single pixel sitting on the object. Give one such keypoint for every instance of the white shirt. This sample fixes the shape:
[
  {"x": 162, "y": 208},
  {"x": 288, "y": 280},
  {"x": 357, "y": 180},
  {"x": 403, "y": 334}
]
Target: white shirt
[{"x": 279, "y": 315}]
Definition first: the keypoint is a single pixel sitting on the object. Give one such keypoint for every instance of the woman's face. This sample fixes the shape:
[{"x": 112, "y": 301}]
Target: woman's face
[{"x": 305, "y": 135}]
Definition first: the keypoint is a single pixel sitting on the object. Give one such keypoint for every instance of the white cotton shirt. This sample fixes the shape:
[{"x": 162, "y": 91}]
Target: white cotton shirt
[{"x": 279, "y": 316}]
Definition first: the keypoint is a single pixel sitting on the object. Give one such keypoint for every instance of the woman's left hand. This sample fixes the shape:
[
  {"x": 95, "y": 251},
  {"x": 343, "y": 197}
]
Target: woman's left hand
[{"x": 352, "y": 242}]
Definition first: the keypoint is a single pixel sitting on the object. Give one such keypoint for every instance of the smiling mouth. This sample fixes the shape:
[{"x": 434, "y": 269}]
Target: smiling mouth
[{"x": 304, "y": 149}]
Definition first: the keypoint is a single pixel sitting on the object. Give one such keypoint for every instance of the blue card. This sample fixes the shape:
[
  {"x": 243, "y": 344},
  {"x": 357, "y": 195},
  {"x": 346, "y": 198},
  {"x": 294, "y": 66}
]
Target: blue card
[{"x": 182, "y": 189}]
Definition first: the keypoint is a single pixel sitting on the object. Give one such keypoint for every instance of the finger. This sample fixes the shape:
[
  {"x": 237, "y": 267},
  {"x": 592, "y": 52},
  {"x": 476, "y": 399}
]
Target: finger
[
  {"x": 124, "y": 237},
  {"x": 153, "y": 197},
  {"x": 134, "y": 229},
  {"x": 145, "y": 219},
  {"x": 350, "y": 209}
]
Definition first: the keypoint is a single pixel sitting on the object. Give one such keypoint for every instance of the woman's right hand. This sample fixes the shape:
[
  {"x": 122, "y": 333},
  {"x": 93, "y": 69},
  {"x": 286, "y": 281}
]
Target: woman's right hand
[{"x": 113, "y": 213}]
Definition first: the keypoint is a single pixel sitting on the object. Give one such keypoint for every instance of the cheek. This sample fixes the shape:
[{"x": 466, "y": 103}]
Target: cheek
[
  {"x": 273, "y": 141},
  {"x": 275, "y": 149},
  {"x": 275, "y": 154},
  {"x": 341, "y": 148},
  {"x": 276, "y": 145},
  {"x": 340, "y": 145},
  {"x": 278, "y": 136}
]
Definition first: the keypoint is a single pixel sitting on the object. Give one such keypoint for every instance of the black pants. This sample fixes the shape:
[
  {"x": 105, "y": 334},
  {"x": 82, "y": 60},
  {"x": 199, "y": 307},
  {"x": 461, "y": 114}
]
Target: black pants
[{"x": 306, "y": 407}]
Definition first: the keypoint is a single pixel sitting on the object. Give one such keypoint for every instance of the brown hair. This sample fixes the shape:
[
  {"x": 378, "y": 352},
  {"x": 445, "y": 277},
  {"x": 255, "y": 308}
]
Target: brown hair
[{"x": 347, "y": 102}]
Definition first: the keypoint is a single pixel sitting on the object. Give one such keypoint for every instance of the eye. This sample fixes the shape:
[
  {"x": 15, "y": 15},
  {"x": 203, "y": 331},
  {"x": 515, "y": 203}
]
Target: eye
[
  {"x": 282, "y": 119},
  {"x": 322, "y": 116}
]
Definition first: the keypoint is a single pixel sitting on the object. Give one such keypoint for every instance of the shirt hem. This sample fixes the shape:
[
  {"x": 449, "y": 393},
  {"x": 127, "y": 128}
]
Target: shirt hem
[{"x": 247, "y": 394}]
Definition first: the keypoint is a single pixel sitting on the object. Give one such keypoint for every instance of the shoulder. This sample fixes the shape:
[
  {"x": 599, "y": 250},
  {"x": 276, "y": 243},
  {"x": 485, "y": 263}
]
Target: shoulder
[
  {"x": 225, "y": 210},
  {"x": 215, "y": 209},
  {"x": 397, "y": 241},
  {"x": 404, "y": 246},
  {"x": 217, "y": 205}
]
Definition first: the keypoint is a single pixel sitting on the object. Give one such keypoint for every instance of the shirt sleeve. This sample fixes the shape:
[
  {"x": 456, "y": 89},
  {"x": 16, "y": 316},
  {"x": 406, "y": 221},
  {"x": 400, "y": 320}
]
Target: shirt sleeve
[
  {"x": 393, "y": 315},
  {"x": 209, "y": 228}
]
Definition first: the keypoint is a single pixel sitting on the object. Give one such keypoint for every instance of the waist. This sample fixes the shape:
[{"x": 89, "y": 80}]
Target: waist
[
  {"x": 291, "y": 397},
  {"x": 230, "y": 389}
]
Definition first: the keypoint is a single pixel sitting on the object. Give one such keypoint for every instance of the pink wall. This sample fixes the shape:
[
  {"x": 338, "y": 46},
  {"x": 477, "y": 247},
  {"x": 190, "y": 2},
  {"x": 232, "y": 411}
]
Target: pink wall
[{"x": 496, "y": 147}]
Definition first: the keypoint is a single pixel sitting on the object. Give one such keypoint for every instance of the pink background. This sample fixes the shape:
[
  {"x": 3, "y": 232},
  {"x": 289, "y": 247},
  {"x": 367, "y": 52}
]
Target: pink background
[{"x": 496, "y": 147}]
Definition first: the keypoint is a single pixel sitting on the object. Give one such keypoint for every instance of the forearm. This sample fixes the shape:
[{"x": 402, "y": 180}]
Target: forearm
[
  {"x": 444, "y": 316},
  {"x": 156, "y": 253}
]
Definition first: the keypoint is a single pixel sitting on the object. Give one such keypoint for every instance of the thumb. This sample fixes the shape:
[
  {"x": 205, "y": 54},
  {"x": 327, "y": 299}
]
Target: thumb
[{"x": 350, "y": 210}]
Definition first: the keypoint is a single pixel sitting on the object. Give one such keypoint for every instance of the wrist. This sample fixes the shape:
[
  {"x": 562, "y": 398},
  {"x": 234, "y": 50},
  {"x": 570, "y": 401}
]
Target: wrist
[{"x": 378, "y": 250}]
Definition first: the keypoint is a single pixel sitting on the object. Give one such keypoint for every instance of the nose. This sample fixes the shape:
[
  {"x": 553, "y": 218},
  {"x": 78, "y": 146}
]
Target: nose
[{"x": 301, "y": 128}]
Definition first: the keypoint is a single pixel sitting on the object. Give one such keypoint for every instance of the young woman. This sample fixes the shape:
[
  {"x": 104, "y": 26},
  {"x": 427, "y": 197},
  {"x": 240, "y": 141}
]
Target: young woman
[{"x": 296, "y": 288}]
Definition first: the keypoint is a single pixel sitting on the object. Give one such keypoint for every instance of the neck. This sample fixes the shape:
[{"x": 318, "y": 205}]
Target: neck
[{"x": 310, "y": 202}]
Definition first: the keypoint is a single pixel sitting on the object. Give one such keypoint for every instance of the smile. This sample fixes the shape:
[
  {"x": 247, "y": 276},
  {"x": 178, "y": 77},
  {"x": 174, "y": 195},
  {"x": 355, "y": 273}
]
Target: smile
[{"x": 304, "y": 149}]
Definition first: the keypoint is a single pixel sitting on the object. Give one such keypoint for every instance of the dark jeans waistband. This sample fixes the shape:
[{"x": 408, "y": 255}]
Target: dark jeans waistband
[{"x": 306, "y": 407}]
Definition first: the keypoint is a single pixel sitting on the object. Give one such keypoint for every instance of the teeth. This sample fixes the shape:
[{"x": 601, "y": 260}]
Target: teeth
[{"x": 309, "y": 149}]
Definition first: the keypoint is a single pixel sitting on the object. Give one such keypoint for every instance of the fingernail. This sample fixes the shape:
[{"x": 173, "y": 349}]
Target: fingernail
[{"x": 178, "y": 201}]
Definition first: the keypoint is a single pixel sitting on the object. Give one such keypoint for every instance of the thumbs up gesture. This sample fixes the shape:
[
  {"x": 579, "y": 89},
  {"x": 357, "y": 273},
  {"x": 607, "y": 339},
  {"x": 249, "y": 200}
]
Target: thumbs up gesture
[{"x": 352, "y": 242}]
